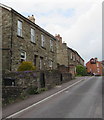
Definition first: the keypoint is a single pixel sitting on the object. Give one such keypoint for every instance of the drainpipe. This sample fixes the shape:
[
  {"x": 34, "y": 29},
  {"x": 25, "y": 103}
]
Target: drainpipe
[{"x": 11, "y": 40}]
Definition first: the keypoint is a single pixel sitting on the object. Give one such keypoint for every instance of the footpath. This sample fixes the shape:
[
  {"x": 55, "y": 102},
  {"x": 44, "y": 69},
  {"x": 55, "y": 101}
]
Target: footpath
[{"x": 15, "y": 107}]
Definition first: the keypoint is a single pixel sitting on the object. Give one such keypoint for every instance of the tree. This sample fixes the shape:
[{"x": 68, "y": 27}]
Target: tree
[{"x": 81, "y": 70}]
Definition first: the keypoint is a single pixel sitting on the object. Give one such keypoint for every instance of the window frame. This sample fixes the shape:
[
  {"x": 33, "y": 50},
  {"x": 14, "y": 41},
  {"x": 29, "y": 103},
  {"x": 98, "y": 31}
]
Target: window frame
[
  {"x": 33, "y": 35},
  {"x": 51, "y": 45},
  {"x": 71, "y": 56},
  {"x": 19, "y": 28},
  {"x": 50, "y": 64},
  {"x": 41, "y": 63},
  {"x": 42, "y": 40},
  {"x": 23, "y": 59}
]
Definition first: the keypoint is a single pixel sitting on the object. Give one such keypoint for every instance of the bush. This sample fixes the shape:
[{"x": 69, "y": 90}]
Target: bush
[
  {"x": 26, "y": 65},
  {"x": 40, "y": 90},
  {"x": 35, "y": 90},
  {"x": 32, "y": 90},
  {"x": 81, "y": 70}
]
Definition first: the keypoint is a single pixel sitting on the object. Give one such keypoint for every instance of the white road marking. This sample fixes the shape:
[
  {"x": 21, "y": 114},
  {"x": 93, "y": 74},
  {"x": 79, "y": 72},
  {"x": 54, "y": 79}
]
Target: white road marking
[{"x": 44, "y": 99}]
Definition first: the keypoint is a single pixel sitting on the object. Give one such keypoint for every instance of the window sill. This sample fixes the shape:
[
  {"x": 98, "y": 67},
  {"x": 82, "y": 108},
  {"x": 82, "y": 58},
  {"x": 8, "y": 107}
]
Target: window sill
[
  {"x": 33, "y": 42},
  {"x": 43, "y": 47},
  {"x": 51, "y": 51},
  {"x": 20, "y": 37}
]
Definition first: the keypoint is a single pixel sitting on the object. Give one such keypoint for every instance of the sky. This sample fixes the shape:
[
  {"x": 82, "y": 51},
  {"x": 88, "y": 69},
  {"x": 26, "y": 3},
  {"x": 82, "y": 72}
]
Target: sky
[{"x": 79, "y": 22}]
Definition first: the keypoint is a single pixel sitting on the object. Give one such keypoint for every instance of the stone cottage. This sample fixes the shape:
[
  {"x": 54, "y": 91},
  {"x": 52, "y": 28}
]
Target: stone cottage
[{"x": 23, "y": 40}]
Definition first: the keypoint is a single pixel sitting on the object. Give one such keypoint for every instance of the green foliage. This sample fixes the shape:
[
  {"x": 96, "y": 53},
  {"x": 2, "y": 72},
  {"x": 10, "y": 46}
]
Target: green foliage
[
  {"x": 32, "y": 90},
  {"x": 41, "y": 90},
  {"x": 81, "y": 70},
  {"x": 26, "y": 65}
]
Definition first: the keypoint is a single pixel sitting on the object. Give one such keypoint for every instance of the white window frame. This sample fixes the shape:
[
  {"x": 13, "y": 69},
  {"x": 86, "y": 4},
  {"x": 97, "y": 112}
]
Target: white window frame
[
  {"x": 50, "y": 63},
  {"x": 71, "y": 56},
  {"x": 19, "y": 28},
  {"x": 32, "y": 35},
  {"x": 51, "y": 45},
  {"x": 41, "y": 63},
  {"x": 23, "y": 53},
  {"x": 42, "y": 40}
]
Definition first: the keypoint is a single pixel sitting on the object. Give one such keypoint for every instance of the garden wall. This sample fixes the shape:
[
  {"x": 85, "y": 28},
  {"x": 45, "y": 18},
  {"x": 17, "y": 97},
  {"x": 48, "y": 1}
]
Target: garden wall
[{"x": 17, "y": 83}]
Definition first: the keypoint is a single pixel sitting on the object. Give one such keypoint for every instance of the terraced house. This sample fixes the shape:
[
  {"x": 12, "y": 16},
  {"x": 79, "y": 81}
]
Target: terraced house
[
  {"x": 67, "y": 57},
  {"x": 23, "y": 40}
]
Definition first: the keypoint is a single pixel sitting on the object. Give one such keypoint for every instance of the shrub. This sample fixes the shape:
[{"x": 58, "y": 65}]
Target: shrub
[
  {"x": 81, "y": 70},
  {"x": 32, "y": 90},
  {"x": 26, "y": 65},
  {"x": 35, "y": 90},
  {"x": 40, "y": 90}
]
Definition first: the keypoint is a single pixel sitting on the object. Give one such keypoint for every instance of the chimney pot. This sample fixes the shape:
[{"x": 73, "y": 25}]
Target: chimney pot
[{"x": 31, "y": 18}]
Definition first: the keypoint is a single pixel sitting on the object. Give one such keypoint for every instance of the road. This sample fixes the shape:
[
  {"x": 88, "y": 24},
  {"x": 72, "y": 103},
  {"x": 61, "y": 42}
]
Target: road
[{"x": 83, "y": 100}]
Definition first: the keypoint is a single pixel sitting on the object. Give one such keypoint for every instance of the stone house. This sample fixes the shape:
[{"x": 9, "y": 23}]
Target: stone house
[
  {"x": 62, "y": 58},
  {"x": 23, "y": 40},
  {"x": 74, "y": 59},
  {"x": 67, "y": 57}
]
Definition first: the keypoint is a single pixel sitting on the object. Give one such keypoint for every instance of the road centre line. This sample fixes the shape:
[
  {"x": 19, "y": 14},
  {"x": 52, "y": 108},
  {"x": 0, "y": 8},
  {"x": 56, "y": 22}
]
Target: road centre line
[{"x": 45, "y": 99}]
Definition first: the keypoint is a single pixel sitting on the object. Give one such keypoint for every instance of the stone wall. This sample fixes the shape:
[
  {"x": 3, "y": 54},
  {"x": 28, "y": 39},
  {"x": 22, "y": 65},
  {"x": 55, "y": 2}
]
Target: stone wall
[
  {"x": 17, "y": 83},
  {"x": 10, "y": 94},
  {"x": 6, "y": 39}
]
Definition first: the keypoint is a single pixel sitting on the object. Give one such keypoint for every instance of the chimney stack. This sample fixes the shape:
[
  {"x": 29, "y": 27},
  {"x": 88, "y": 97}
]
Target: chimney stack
[
  {"x": 59, "y": 38},
  {"x": 31, "y": 18},
  {"x": 96, "y": 59}
]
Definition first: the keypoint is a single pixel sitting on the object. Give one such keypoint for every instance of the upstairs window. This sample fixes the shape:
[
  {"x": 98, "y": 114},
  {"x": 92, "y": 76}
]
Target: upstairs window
[
  {"x": 51, "y": 45},
  {"x": 97, "y": 64},
  {"x": 32, "y": 35},
  {"x": 42, "y": 40},
  {"x": 23, "y": 56},
  {"x": 71, "y": 56},
  {"x": 19, "y": 28}
]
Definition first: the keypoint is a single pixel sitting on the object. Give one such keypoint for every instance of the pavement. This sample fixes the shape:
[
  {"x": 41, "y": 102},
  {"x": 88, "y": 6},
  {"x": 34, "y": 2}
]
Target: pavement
[{"x": 15, "y": 107}]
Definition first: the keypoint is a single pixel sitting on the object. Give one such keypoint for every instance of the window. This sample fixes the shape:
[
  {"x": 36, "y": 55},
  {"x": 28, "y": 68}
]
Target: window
[
  {"x": 35, "y": 59},
  {"x": 41, "y": 62},
  {"x": 98, "y": 70},
  {"x": 50, "y": 63},
  {"x": 19, "y": 28},
  {"x": 23, "y": 56},
  {"x": 51, "y": 45},
  {"x": 32, "y": 35},
  {"x": 97, "y": 64},
  {"x": 71, "y": 56},
  {"x": 42, "y": 40}
]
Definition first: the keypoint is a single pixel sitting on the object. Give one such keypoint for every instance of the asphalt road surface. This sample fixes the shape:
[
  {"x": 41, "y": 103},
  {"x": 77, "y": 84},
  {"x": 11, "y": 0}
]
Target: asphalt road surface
[{"x": 84, "y": 100}]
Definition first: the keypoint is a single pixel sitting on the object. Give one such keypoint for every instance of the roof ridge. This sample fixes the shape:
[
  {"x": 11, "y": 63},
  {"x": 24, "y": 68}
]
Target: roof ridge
[{"x": 4, "y": 6}]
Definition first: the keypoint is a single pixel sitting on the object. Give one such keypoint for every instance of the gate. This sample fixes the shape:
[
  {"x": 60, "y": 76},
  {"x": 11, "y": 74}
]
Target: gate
[
  {"x": 42, "y": 80},
  {"x": 61, "y": 78}
]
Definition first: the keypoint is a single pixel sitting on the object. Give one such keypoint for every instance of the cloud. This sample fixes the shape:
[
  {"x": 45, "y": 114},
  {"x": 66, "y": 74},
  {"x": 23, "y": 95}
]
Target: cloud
[{"x": 77, "y": 21}]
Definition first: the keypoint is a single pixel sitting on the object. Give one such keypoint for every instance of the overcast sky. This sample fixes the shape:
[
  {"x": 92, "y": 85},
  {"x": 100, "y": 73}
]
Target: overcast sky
[{"x": 79, "y": 22}]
